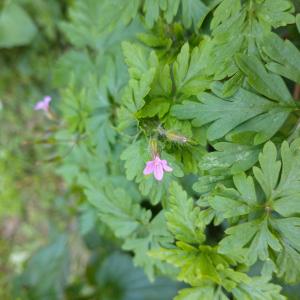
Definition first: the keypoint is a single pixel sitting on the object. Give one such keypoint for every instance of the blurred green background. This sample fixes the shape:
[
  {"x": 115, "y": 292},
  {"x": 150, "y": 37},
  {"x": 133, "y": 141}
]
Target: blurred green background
[{"x": 50, "y": 244}]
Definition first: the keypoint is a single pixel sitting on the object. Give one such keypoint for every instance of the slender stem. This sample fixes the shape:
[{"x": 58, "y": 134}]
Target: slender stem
[{"x": 297, "y": 92}]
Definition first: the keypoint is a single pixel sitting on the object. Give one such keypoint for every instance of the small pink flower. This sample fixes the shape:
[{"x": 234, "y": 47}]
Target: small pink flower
[
  {"x": 44, "y": 104},
  {"x": 157, "y": 166}
]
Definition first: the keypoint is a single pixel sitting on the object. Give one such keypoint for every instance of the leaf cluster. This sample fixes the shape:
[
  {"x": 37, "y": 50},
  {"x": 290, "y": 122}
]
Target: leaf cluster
[{"x": 218, "y": 105}]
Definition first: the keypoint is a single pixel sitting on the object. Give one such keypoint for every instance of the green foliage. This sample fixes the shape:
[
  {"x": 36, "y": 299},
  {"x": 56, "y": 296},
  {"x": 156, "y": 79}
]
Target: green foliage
[
  {"x": 188, "y": 71},
  {"x": 236, "y": 27},
  {"x": 55, "y": 256},
  {"x": 134, "y": 285},
  {"x": 269, "y": 85},
  {"x": 203, "y": 266},
  {"x": 230, "y": 157},
  {"x": 243, "y": 112},
  {"x": 129, "y": 221},
  {"x": 183, "y": 220},
  {"x": 117, "y": 211},
  {"x": 173, "y": 104},
  {"x": 193, "y": 12},
  {"x": 203, "y": 91},
  {"x": 284, "y": 56},
  {"x": 15, "y": 33},
  {"x": 98, "y": 19},
  {"x": 267, "y": 225},
  {"x": 258, "y": 290},
  {"x": 142, "y": 73}
]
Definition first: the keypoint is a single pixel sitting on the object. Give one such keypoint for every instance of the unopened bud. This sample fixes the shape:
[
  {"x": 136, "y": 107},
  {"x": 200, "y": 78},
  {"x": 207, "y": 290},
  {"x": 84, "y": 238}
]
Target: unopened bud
[
  {"x": 172, "y": 136},
  {"x": 177, "y": 138}
]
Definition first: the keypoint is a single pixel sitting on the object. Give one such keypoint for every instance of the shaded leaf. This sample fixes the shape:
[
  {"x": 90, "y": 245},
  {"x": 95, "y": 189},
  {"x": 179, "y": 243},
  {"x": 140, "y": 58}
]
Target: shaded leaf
[
  {"x": 224, "y": 115},
  {"x": 16, "y": 27},
  {"x": 284, "y": 55},
  {"x": 183, "y": 217},
  {"x": 270, "y": 85}
]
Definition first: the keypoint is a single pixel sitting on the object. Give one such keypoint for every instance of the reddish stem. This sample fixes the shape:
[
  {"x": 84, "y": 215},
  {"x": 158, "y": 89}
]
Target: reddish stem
[{"x": 297, "y": 92}]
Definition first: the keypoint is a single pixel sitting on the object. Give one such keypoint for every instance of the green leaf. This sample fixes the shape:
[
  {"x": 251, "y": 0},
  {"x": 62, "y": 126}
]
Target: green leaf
[
  {"x": 157, "y": 106},
  {"x": 78, "y": 62},
  {"x": 224, "y": 115},
  {"x": 87, "y": 219},
  {"x": 142, "y": 68},
  {"x": 226, "y": 9},
  {"x": 201, "y": 265},
  {"x": 229, "y": 156},
  {"x": 270, "y": 85},
  {"x": 288, "y": 191},
  {"x": 290, "y": 229},
  {"x": 229, "y": 208},
  {"x": 228, "y": 38},
  {"x": 47, "y": 282},
  {"x": 258, "y": 289},
  {"x": 162, "y": 84},
  {"x": 245, "y": 186},
  {"x": 16, "y": 27},
  {"x": 276, "y": 13},
  {"x": 265, "y": 221},
  {"x": 78, "y": 161},
  {"x": 298, "y": 21},
  {"x": 117, "y": 210},
  {"x": 136, "y": 58},
  {"x": 207, "y": 183},
  {"x": 268, "y": 174},
  {"x": 255, "y": 233},
  {"x": 149, "y": 238},
  {"x": 250, "y": 132},
  {"x": 228, "y": 203},
  {"x": 288, "y": 262},
  {"x": 152, "y": 10},
  {"x": 236, "y": 28},
  {"x": 193, "y": 13},
  {"x": 101, "y": 24},
  {"x": 288, "y": 259},
  {"x": 183, "y": 217},
  {"x": 188, "y": 71},
  {"x": 205, "y": 292},
  {"x": 117, "y": 271},
  {"x": 135, "y": 156},
  {"x": 172, "y": 9},
  {"x": 233, "y": 84},
  {"x": 285, "y": 57},
  {"x": 232, "y": 205}
]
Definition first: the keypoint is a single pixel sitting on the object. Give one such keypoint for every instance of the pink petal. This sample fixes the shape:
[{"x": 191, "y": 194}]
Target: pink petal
[
  {"x": 157, "y": 159},
  {"x": 165, "y": 166},
  {"x": 149, "y": 168},
  {"x": 39, "y": 105},
  {"x": 158, "y": 172},
  {"x": 47, "y": 100}
]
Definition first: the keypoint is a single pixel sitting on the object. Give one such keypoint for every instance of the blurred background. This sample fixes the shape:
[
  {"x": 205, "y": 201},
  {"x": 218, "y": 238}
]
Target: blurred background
[{"x": 50, "y": 244}]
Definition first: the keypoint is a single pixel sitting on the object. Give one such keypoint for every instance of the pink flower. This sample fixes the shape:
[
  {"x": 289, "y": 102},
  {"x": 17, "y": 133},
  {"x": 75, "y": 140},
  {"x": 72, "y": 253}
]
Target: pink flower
[
  {"x": 157, "y": 166},
  {"x": 44, "y": 104}
]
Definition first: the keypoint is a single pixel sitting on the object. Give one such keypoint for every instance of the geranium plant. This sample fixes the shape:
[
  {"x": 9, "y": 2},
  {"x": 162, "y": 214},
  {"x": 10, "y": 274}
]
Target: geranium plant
[{"x": 203, "y": 94}]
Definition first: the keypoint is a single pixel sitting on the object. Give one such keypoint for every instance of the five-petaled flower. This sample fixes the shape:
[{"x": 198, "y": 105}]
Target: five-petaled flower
[
  {"x": 157, "y": 166},
  {"x": 44, "y": 104}
]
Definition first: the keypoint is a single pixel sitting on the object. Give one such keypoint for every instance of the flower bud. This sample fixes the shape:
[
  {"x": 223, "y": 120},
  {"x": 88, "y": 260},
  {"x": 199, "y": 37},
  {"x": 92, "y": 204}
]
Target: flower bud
[{"x": 177, "y": 138}]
